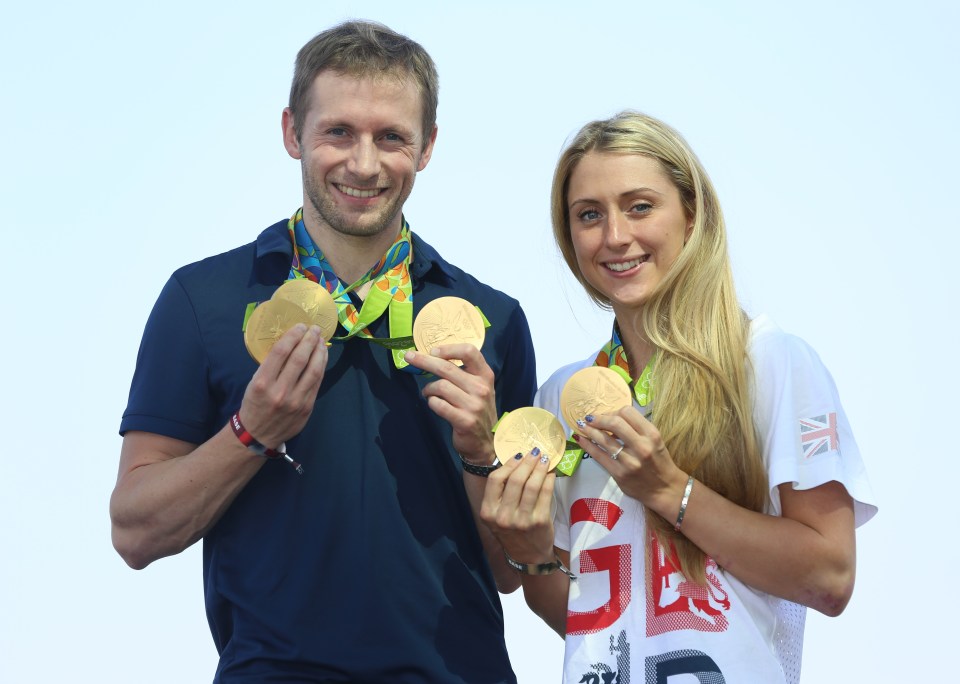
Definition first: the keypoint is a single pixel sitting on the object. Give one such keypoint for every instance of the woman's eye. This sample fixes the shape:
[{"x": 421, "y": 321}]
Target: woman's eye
[
  {"x": 642, "y": 206},
  {"x": 589, "y": 215}
]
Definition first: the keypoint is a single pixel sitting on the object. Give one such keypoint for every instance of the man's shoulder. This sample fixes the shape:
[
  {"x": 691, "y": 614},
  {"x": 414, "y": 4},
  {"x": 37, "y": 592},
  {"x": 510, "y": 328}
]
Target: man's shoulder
[
  {"x": 435, "y": 269},
  {"x": 270, "y": 250}
]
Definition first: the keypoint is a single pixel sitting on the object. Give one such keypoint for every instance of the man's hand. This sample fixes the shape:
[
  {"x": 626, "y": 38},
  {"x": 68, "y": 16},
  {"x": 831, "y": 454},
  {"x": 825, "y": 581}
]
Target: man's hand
[
  {"x": 463, "y": 396},
  {"x": 280, "y": 396}
]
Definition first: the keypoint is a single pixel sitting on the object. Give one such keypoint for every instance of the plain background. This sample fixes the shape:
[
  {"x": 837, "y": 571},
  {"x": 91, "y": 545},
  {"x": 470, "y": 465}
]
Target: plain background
[{"x": 137, "y": 137}]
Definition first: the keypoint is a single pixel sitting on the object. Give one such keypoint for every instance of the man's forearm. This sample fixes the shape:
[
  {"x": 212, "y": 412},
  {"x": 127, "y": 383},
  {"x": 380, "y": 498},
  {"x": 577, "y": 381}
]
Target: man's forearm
[{"x": 170, "y": 492}]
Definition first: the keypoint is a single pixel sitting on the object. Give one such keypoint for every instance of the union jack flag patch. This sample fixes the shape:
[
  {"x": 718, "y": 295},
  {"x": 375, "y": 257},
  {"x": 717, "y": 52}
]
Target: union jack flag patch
[{"x": 818, "y": 435}]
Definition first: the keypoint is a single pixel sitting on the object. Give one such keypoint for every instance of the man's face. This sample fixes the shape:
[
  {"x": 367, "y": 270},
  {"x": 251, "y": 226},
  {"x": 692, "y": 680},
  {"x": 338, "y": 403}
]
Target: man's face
[{"x": 360, "y": 149}]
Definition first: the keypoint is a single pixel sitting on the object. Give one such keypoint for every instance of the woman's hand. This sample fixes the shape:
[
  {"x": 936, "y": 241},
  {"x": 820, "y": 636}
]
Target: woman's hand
[
  {"x": 630, "y": 448},
  {"x": 517, "y": 507},
  {"x": 807, "y": 555}
]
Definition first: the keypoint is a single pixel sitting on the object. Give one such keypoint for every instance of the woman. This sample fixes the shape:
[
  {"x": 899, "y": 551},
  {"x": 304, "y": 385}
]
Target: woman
[{"x": 710, "y": 512}]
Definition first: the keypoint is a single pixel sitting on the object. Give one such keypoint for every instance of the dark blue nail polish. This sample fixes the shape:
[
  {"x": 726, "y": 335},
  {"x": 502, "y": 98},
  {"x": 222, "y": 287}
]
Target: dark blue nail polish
[
  {"x": 518, "y": 456},
  {"x": 536, "y": 451},
  {"x": 589, "y": 419}
]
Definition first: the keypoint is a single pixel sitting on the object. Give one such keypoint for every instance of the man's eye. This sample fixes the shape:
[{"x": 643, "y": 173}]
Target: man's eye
[
  {"x": 337, "y": 131},
  {"x": 392, "y": 137}
]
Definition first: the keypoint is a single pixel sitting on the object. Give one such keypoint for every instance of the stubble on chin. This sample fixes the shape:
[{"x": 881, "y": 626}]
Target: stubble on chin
[{"x": 365, "y": 224}]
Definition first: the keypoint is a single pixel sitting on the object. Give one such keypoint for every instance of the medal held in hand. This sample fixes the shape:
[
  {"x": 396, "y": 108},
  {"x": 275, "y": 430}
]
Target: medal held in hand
[
  {"x": 296, "y": 301},
  {"x": 268, "y": 323},
  {"x": 593, "y": 391},
  {"x": 448, "y": 320},
  {"x": 315, "y": 300},
  {"x": 519, "y": 431}
]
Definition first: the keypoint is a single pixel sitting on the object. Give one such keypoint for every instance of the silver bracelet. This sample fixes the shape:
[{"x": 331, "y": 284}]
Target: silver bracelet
[
  {"x": 540, "y": 568},
  {"x": 683, "y": 504}
]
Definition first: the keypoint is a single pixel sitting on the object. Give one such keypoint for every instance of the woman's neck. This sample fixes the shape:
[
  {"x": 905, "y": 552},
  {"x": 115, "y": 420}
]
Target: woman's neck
[{"x": 638, "y": 348}]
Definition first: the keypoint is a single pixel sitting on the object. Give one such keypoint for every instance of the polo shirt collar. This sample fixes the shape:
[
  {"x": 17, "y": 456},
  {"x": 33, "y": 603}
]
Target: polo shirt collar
[{"x": 276, "y": 240}]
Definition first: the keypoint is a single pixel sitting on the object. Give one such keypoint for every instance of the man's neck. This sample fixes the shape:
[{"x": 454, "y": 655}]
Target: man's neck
[{"x": 350, "y": 256}]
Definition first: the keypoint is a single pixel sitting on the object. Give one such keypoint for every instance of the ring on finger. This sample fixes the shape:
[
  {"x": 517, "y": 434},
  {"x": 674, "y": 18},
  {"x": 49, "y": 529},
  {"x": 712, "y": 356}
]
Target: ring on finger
[{"x": 616, "y": 454}]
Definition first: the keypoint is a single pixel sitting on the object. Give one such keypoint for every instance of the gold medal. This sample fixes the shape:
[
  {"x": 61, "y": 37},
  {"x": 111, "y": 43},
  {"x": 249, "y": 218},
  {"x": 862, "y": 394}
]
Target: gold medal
[
  {"x": 448, "y": 320},
  {"x": 315, "y": 300},
  {"x": 267, "y": 324},
  {"x": 524, "y": 428},
  {"x": 593, "y": 391}
]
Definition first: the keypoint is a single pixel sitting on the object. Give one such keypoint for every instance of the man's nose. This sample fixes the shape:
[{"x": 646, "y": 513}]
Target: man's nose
[{"x": 365, "y": 158}]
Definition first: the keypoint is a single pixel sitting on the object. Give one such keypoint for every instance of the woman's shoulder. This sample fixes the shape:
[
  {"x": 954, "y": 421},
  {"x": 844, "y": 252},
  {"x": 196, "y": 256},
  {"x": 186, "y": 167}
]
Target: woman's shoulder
[
  {"x": 548, "y": 396},
  {"x": 772, "y": 347}
]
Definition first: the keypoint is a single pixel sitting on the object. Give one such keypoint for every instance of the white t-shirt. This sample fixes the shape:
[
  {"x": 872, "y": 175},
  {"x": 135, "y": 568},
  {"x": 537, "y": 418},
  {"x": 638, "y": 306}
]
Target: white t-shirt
[{"x": 629, "y": 621}]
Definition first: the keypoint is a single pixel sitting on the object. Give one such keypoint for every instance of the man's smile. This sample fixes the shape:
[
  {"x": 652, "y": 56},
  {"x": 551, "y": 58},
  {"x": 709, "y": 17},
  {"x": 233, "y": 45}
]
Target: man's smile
[{"x": 362, "y": 193}]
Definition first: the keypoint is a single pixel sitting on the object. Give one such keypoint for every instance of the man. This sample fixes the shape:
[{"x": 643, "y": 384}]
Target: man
[{"x": 370, "y": 566}]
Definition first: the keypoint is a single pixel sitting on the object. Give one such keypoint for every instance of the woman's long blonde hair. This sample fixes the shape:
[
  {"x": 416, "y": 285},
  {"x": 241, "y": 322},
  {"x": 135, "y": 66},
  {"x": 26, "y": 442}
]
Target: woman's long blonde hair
[{"x": 701, "y": 373}]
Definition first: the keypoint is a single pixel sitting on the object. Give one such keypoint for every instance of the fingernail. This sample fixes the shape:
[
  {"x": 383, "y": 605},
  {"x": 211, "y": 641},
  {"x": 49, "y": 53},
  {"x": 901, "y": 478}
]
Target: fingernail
[
  {"x": 409, "y": 356},
  {"x": 544, "y": 460},
  {"x": 589, "y": 419},
  {"x": 536, "y": 451},
  {"x": 580, "y": 423},
  {"x": 300, "y": 327},
  {"x": 518, "y": 456},
  {"x": 576, "y": 438}
]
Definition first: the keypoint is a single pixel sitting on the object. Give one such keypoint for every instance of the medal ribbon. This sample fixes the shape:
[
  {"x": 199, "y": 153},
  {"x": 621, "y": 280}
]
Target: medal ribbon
[
  {"x": 391, "y": 289},
  {"x": 614, "y": 356}
]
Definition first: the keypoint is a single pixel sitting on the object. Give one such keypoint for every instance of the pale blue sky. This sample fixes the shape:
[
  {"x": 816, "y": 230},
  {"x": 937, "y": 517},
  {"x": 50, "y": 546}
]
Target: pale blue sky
[{"x": 139, "y": 137}]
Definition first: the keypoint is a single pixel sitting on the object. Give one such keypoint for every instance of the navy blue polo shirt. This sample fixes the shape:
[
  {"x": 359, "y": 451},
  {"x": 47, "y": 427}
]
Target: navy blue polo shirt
[{"x": 367, "y": 568}]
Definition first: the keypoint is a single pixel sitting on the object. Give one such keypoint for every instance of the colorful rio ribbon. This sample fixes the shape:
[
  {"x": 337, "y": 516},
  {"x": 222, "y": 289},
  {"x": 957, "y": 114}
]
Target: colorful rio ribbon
[{"x": 391, "y": 289}]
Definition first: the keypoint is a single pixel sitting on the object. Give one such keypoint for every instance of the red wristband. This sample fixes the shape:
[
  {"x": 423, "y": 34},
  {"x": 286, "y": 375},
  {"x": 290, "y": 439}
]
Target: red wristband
[{"x": 248, "y": 440}]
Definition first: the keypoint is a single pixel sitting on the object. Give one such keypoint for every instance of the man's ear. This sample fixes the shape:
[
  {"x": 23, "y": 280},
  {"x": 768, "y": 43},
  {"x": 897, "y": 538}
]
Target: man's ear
[
  {"x": 427, "y": 150},
  {"x": 290, "y": 141}
]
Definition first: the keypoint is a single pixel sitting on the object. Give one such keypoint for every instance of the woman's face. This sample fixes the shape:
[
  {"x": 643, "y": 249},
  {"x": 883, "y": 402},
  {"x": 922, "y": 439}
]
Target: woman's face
[{"x": 627, "y": 225}]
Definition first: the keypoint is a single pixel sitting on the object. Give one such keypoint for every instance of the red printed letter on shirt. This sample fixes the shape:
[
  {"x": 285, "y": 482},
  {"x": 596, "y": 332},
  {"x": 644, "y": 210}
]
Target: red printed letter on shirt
[{"x": 615, "y": 560}]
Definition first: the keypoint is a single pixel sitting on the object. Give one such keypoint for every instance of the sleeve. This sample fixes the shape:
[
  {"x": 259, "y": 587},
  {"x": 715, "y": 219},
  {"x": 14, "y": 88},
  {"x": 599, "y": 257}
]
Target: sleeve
[
  {"x": 517, "y": 381},
  {"x": 169, "y": 394},
  {"x": 804, "y": 432}
]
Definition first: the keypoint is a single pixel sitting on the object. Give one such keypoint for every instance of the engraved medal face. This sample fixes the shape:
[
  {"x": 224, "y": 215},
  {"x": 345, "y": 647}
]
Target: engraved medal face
[
  {"x": 267, "y": 324},
  {"x": 448, "y": 320},
  {"x": 524, "y": 428},
  {"x": 593, "y": 391},
  {"x": 315, "y": 300}
]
